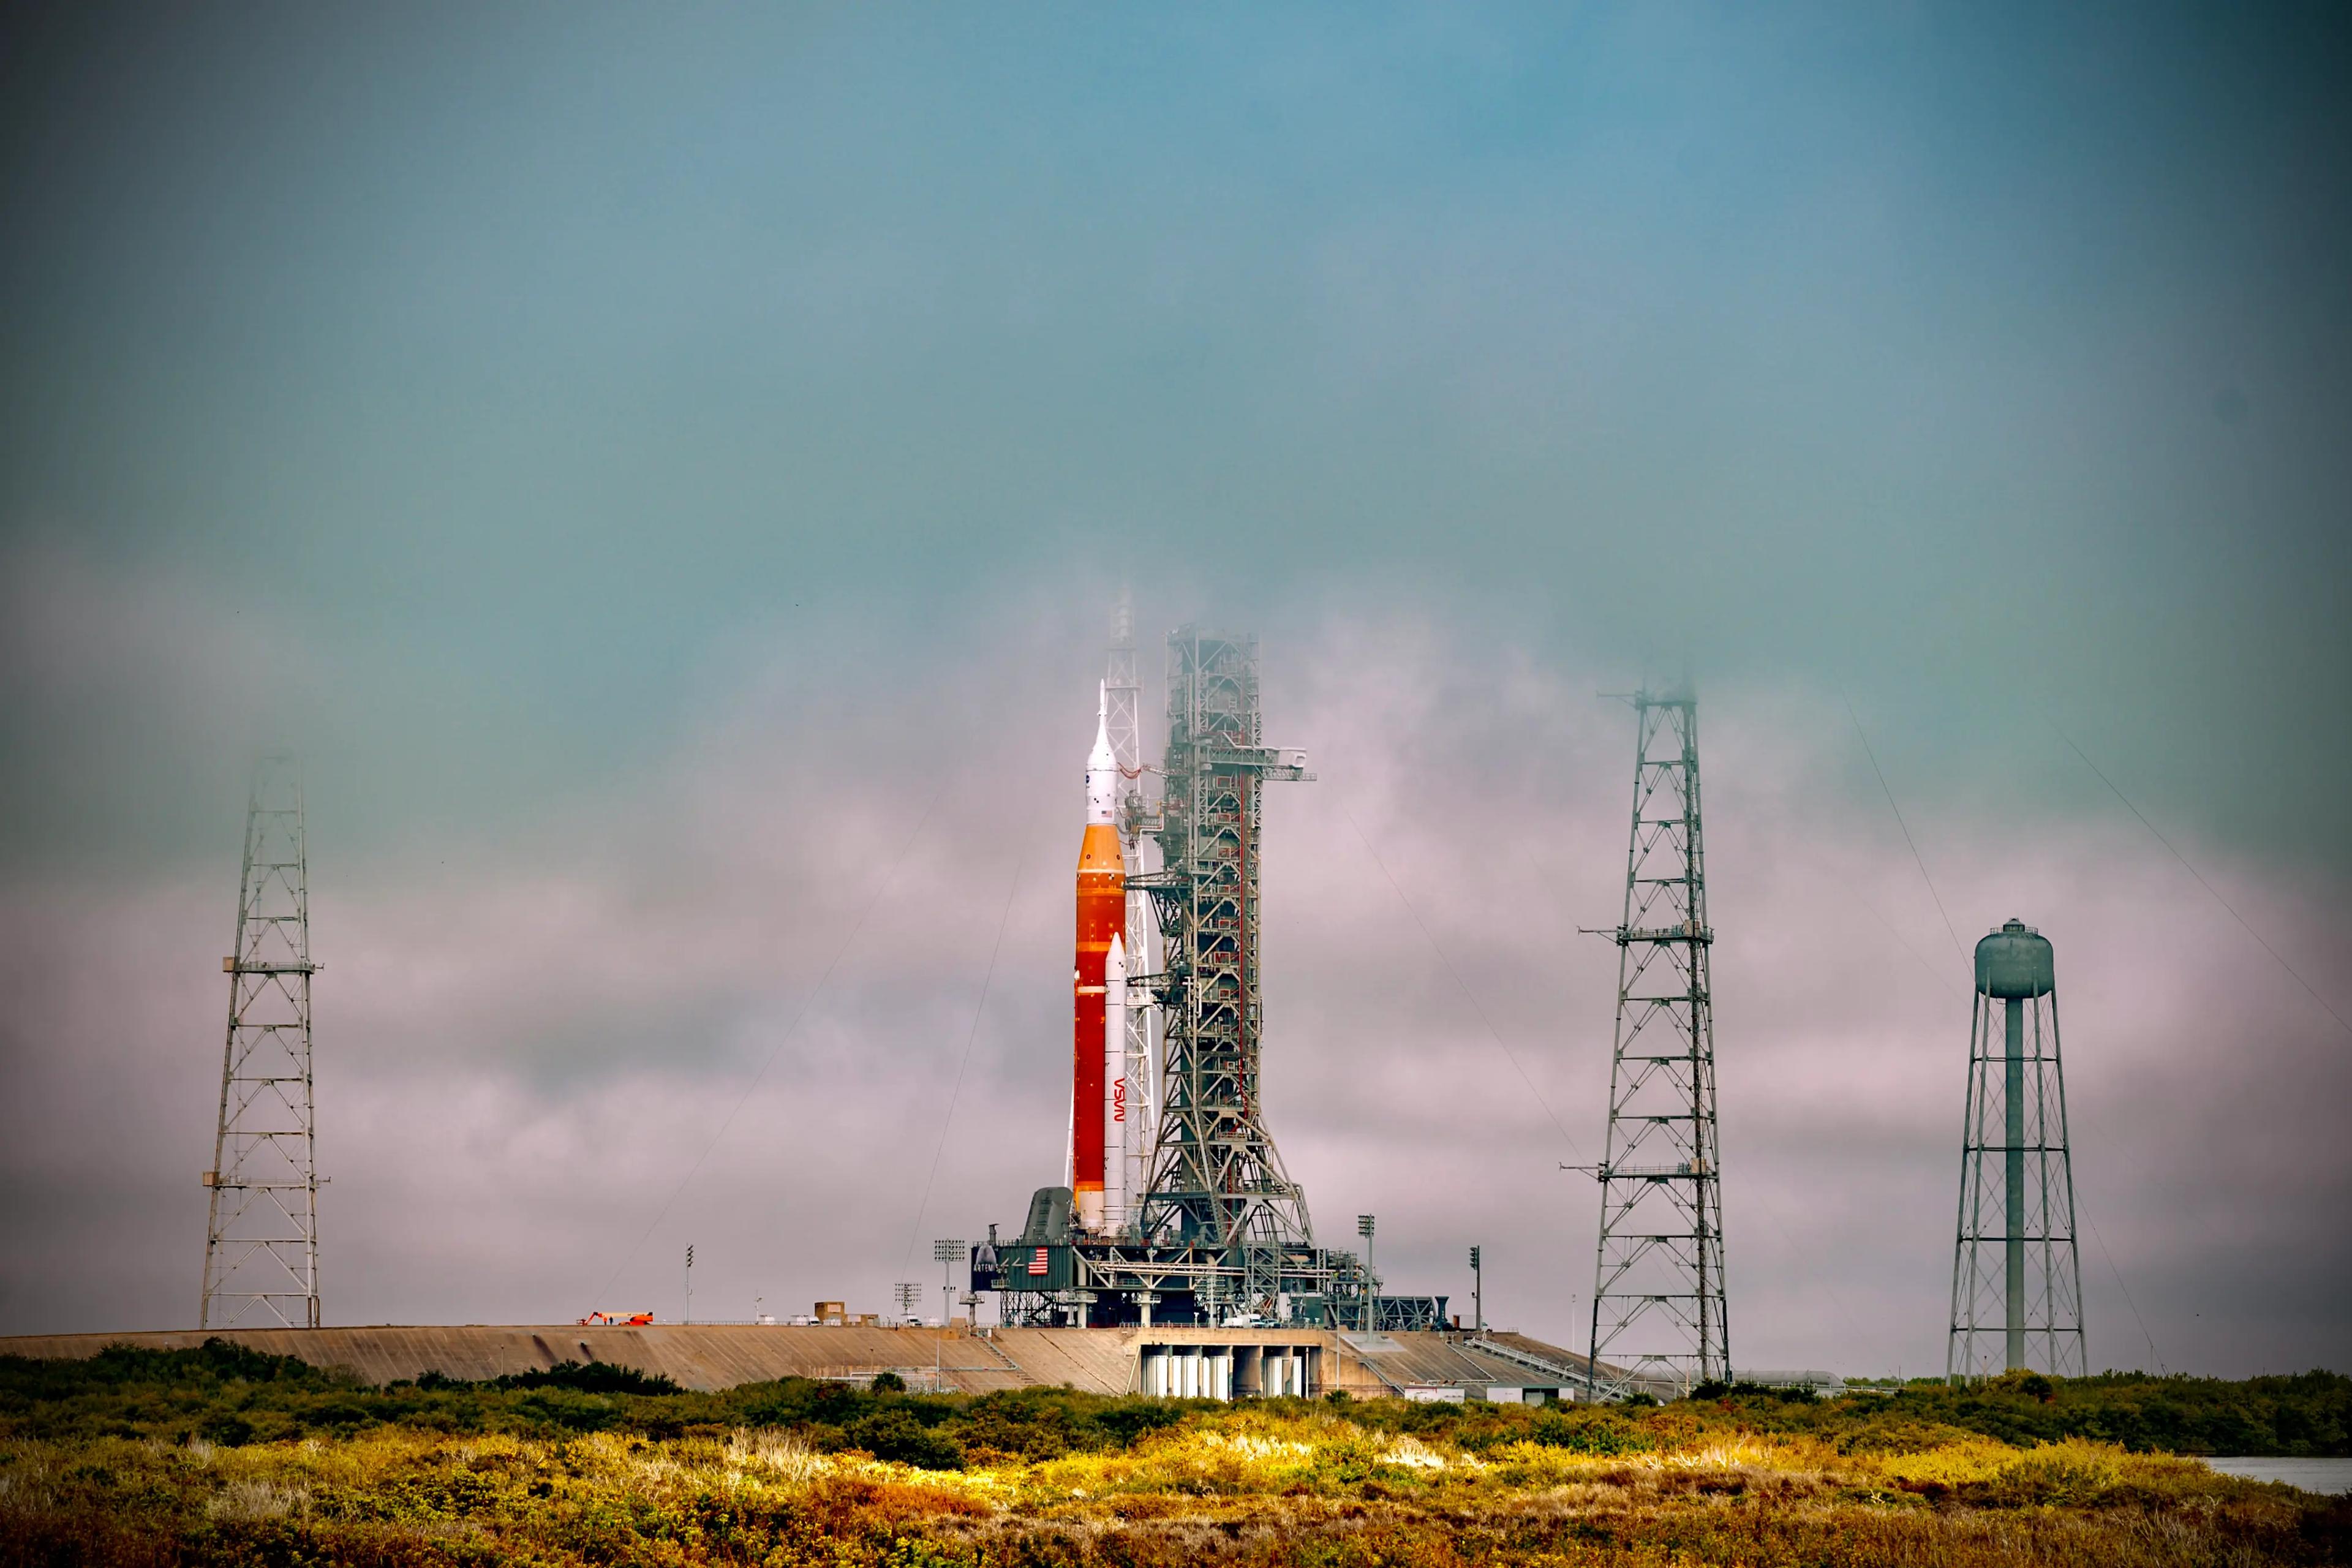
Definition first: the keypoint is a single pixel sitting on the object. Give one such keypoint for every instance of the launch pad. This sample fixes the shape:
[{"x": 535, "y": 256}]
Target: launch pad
[
  {"x": 1177, "y": 1209},
  {"x": 1055, "y": 1275},
  {"x": 1169, "y": 1363}
]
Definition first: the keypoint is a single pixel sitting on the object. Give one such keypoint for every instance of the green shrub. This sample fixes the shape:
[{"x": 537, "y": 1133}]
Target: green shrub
[
  {"x": 588, "y": 1377},
  {"x": 250, "y": 1398},
  {"x": 1555, "y": 1429},
  {"x": 895, "y": 1435},
  {"x": 228, "y": 1429}
]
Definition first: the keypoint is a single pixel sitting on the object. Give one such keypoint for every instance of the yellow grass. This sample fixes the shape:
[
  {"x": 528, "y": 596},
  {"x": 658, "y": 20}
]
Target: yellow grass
[{"x": 1244, "y": 1484}]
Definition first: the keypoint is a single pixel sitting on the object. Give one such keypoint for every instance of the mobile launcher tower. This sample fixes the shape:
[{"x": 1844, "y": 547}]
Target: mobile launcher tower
[{"x": 1178, "y": 1208}]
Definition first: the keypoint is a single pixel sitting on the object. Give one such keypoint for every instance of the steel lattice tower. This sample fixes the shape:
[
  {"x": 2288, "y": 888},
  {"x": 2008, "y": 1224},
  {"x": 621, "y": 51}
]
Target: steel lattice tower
[
  {"x": 1658, "y": 1294},
  {"x": 261, "y": 1239},
  {"x": 2016, "y": 1296},
  {"x": 1217, "y": 1180},
  {"x": 1123, "y": 708}
]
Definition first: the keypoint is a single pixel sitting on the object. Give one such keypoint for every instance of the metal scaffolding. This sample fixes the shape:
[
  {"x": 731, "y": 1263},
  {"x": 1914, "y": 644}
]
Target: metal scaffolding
[
  {"x": 261, "y": 1238},
  {"x": 1658, "y": 1294},
  {"x": 2017, "y": 1299},
  {"x": 1217, "y": 1180}
]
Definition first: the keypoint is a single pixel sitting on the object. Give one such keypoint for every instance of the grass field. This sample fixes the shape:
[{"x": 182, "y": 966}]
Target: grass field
[{"x": 114, "y": 1468}]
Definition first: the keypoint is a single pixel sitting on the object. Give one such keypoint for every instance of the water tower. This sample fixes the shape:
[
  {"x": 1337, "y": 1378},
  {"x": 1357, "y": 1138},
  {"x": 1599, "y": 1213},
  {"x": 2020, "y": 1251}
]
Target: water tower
[{"x": 2017, "y": 1280}]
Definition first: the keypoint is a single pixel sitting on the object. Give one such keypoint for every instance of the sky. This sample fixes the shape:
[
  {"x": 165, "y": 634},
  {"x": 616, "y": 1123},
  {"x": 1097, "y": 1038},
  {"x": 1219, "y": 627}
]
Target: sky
[{"x": 669, "y": 474}]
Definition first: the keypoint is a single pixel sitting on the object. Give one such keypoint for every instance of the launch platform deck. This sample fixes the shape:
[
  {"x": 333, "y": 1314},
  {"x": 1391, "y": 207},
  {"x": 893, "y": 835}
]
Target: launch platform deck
[{"x": 1099, "y": 1361}]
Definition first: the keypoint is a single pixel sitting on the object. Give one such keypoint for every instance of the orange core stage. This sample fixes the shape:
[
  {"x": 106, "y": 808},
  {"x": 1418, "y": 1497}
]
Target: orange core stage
[{"x": 1102, "y": 914}]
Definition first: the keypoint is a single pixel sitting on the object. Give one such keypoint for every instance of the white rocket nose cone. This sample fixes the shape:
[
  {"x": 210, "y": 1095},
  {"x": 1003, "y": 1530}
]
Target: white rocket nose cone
[{"x": 1102, "y": 765}]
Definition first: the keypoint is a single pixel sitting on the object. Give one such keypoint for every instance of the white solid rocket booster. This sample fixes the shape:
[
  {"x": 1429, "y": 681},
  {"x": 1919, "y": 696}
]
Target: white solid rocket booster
[{"x": 1118, "y": 1114}]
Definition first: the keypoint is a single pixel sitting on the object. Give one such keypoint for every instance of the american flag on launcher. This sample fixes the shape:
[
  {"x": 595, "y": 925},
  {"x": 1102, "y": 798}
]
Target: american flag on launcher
[{"x": 1037, "y": 1264}]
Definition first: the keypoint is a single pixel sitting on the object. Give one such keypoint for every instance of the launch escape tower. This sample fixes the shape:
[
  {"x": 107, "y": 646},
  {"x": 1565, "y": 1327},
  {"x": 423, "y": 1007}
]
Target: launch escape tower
[
  {"x": 1657, "y": 1293},
  {"x": 2016, "y": 1296},
  {"x": 261, "y": 1238},
  {"x": 1218, "y": 1231}
]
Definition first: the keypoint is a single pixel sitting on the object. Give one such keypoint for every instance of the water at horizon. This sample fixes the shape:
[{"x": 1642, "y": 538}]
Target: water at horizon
[{"x": 2331, "y": 1478}]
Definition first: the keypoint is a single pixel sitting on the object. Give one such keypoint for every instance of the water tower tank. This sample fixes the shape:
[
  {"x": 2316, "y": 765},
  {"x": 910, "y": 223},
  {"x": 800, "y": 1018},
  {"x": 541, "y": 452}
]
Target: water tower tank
[{"x": 2015, "y": 962}]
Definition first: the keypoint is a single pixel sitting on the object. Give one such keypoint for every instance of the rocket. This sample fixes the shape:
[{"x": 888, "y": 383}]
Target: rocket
[{"x": 1102, "y": 920}]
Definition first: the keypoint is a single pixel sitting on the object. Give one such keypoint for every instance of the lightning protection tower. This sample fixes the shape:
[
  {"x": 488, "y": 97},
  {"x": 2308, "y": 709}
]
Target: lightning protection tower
[
  {"x": 1217, "y": 1182},
  {"x": 1658, "y": 1294},
  {"x": 261, "y": 1239},
  {"x": 2017, "y": 1299}
]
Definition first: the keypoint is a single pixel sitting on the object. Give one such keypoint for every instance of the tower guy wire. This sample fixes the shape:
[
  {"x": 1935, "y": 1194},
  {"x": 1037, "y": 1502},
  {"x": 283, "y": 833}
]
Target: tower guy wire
[
  {"x": 2247, "y": 926},
  {"x": 1949, "y": 930},
  {"x": 882, "y": 885},
  {"x": 979, "y": 1009},
  {"x": 1905, "y": 943},
  {"x": 1456, "y": 976},
  {"x": 2134, "y": 1306}
]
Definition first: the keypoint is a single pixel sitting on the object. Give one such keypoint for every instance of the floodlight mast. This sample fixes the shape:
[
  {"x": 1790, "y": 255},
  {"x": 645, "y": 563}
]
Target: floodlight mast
[{"x": 946, "y": 1252}]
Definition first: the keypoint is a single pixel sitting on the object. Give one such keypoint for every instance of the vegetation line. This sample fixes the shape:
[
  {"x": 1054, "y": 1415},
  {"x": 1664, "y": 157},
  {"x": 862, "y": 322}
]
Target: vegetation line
[{"x": 223, "y": 1456}]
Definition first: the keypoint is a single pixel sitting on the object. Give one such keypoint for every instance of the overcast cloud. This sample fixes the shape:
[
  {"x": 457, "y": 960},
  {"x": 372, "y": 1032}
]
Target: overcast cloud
[{"x": 669, "y": 476}]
